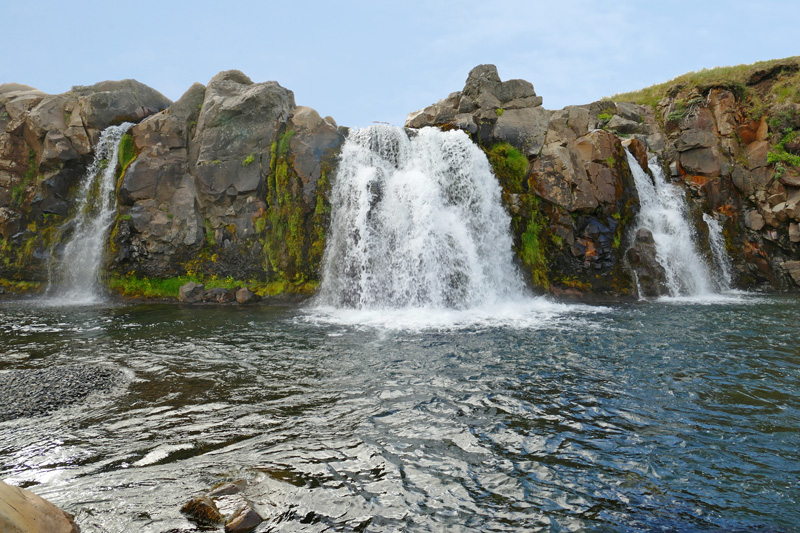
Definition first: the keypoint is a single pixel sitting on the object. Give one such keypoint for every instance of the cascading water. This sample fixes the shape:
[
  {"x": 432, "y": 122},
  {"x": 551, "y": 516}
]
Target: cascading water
[
  {"x": 665, "y": 213},
  {"x": 75, "y": 277},
  {"x": 721, "y": 260},
  {"x": 417, "y": 222}
]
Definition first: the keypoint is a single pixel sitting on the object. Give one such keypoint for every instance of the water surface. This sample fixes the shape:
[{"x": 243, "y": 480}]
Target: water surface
[{"x": 662, "y": 415}]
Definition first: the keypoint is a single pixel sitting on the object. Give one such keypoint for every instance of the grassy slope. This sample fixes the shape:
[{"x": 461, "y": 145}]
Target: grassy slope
[{"x": 720, "y": 76}]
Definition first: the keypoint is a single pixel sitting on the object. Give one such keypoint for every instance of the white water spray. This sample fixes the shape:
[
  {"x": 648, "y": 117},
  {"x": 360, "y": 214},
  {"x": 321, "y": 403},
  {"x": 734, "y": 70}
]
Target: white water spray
[
  {"x": 664, "y": 211},
  {"x": 76, "y": 277},
  {"x": 416, "y": 223},
  {"x": 722, "y": 262}
]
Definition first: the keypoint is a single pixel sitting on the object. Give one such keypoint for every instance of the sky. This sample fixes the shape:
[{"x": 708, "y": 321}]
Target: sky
[{"x": 370, "y": 61}]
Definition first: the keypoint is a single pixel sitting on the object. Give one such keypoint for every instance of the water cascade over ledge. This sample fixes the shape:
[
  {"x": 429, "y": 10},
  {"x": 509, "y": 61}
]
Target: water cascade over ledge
[
  {"x": 665, "y": 212},
  {"x": 75, "y": 275},
  {"x": 417, "y": 222}
]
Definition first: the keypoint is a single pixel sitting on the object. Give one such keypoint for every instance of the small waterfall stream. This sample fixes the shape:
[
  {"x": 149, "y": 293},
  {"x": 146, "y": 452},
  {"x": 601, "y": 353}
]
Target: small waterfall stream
[
  {"x": 75, "y": 278},
  {"x": 665, "y": 213},
  {"x": 417, "y": 222}
]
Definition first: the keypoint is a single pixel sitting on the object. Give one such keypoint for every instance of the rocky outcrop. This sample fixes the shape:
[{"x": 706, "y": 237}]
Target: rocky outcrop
[
  {"x": 22, "y": 511},
  {"x": 46, "y": 142},
  {"x": 491, "y": 110},
  {"x": 571, "y": 196},
  {"x": 229, "y": 181},
  {"x": 732, "y": 146}
]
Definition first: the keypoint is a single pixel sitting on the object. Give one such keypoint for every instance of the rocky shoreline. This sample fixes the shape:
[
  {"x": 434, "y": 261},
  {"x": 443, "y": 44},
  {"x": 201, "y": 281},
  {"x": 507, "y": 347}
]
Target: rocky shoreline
[{"x": 29, "y": 393}]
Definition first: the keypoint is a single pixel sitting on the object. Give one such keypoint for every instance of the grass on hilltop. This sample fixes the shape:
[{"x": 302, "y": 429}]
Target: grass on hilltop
[{"x": 735, "y": 77}]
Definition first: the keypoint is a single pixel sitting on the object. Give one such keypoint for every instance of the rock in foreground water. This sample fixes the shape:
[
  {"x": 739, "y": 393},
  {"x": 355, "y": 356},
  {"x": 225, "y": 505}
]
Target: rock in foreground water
[{"x": 22, "y": 511}]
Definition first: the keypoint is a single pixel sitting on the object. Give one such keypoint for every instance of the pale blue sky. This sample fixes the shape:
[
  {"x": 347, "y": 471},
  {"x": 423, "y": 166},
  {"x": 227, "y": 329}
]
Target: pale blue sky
[{"x": 364, "y": 61}]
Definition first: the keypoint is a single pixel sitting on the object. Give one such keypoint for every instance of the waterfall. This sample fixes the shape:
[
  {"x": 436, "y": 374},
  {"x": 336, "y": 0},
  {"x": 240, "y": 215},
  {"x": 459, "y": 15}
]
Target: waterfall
[
  {"x": 417, "y": 222},
  {"x": 665, "y": 212},
  {"x": 75, "y": 279},
  {"x": 721, "y": 260}
]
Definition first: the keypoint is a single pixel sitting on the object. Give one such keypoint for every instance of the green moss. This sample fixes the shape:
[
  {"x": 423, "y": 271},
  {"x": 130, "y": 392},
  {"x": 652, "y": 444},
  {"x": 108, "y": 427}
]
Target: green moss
[
  {"x": 20, "y": 287},
  {"x": 127, "y": 152},
  {"x": 732, "y": 77},
  {"x": 249, "y": 159},
  {"x": 532, "y": 253},
  {"x": 782, "y": 159},
  {"x": 210, "y": 240},
  {"x": 283, "y": 143},
  {"x": 500, "y": 111},
  {"x": 509, "y": 165},
  {"x": 132, "y": 286},
  {"x": 604, "y": 118},
  {"x": 18, "y": 191}
]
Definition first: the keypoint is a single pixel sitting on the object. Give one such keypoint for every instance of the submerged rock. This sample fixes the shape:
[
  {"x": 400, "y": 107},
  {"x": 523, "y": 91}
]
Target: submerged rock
[
  {"x": 22, "y": 511},
  {"x": 244, "y": 521},
  {"x": 202, "y": 510},
  {"x": 225, "y": 503}
]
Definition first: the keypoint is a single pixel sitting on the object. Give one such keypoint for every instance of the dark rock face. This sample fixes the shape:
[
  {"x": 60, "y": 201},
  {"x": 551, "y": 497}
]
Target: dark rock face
[
  {"x": 223, "y": 175},
  {"x": 573, "y": 205},
  {"x": 649, "y": 274},
  {"x": 46, "y": 142}
]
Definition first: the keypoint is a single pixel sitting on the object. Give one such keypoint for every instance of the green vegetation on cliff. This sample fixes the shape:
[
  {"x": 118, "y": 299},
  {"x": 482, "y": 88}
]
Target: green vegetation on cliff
[{"x": 736, "y": 77}]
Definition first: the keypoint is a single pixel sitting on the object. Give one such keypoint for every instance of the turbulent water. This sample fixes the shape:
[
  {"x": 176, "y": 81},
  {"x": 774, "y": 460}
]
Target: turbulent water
[
  {"x": 75, "y": 274},
  {"x": 656, "y": 416},
  {"x": 417, "y": 222},
  {"x": 664, "y": 211}
]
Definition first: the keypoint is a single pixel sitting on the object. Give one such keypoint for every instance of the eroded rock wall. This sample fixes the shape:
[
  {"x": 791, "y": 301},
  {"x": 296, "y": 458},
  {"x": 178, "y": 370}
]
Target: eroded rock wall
[
  {"x": 46, "y": 142},
  {"x": 230, "y": 181},
  {"x": 731, "y": 146}
]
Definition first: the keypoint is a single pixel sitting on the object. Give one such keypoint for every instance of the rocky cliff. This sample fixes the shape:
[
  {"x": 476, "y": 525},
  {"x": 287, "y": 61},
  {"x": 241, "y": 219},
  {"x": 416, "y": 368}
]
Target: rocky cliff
[
  {"x": 230, "y": 182},
  {"x": 728, "y": 138}
]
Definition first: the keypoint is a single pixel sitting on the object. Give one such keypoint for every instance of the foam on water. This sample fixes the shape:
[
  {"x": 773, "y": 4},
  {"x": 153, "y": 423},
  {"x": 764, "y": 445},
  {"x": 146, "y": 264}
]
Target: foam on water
[
  {"x": 530, "y": 313},
  {"x": 419, "y": 236}
]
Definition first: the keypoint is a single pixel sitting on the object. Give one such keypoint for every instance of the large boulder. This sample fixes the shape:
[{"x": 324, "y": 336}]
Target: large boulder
[
  {"x": 495, "y": 110},
  {"x": 115, "y": 102},
  {"x": 235, "y": 130},
  {"x": 22, "y": 511}
]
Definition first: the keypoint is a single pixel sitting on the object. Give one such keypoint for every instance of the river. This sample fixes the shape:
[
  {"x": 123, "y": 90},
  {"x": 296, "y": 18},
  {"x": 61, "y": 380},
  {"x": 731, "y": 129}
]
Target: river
[{"x": 673, "y": 414}]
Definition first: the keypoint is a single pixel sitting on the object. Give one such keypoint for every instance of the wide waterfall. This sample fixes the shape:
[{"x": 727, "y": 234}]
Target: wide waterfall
[
  {"x": 75, "y": 276},
  {"x": 417, "y": 222},
  {"x": 665, "y": 212}
]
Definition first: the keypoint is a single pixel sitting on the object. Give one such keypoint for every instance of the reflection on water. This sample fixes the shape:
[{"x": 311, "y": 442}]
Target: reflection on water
[{"x": 665, "y": 415}]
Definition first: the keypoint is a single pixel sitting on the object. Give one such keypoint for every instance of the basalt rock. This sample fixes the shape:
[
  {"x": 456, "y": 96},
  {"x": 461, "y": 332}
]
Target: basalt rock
[
  {"x": 219, "y": 177},
  {"x": 650, "y": 275},
  {"x": 46, "y": 143},
  {"x": 496, "y": 111}
]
